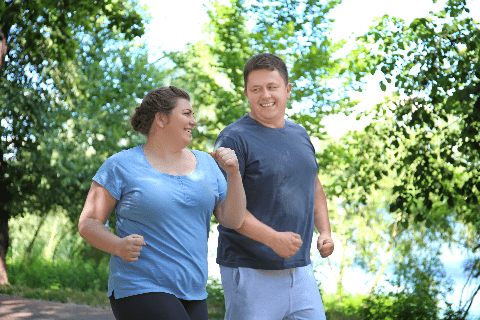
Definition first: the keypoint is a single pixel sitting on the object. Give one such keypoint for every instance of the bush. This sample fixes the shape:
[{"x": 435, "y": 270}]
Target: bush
[
  {"x": 344, "y": 307},
  {"x": 41, "y": 273},
  {"x": 216, "y": 299}
]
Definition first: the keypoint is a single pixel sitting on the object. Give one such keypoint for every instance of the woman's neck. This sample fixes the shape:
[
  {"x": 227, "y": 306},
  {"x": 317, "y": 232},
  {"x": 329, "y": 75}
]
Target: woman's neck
[{"x": 163, "y": 150}]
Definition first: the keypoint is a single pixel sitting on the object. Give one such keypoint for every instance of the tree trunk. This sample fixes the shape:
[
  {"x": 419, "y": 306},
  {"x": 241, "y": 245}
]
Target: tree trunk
[
  {"x": 49, "y": 248},
  {"x": 5, "y": 197},
  {"x": 341, "y": 272},
  {"x": 30, "y": 245},
  {"x": 385, "y": 261},
  {"x": 3, "y": 46},
  {"x": 4, "y": 244},
  {"x": 64, "y": 234}
]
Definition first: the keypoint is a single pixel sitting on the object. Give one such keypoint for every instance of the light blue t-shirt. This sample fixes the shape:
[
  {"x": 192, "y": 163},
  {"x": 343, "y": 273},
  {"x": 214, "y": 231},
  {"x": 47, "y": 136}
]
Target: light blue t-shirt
[{"x": 173, "y": 215}]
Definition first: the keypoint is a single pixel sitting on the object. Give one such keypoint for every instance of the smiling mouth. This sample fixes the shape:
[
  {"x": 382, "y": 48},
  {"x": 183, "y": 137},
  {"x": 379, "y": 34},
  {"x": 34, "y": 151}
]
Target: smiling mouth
[
  {"x": 268, "y": 104},
  {"x": 189, "y": 131}
]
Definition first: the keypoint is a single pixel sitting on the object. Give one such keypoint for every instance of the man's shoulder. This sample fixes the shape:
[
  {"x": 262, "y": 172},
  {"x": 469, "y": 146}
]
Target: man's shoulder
[
  {"x": 296, "y": 128},
  {"x": 237, "y": 126}
]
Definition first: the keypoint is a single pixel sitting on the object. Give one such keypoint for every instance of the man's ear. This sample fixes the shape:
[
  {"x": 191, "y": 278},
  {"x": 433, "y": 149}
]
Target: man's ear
[{"x": 289, "y": 89}]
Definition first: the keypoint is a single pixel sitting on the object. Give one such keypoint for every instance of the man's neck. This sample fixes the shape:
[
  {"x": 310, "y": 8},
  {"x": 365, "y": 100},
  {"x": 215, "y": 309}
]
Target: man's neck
[{"x": 277, "y": 124}]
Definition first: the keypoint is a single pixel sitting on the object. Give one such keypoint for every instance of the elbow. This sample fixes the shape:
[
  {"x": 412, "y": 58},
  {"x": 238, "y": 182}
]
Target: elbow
[
  {"x": 231, "y": 225},
  {"x": 235, "y": 225},
  {"x": 81, "y": 227}
]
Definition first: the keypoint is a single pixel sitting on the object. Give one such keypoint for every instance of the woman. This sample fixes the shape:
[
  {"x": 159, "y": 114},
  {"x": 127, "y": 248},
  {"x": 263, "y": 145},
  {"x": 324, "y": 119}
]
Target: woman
[{"x": 164, "y": 196}]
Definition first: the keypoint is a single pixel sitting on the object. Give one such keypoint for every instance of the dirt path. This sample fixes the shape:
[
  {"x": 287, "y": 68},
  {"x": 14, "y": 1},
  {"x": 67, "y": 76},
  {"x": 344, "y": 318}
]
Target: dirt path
[{"x": 12, "y": 307}]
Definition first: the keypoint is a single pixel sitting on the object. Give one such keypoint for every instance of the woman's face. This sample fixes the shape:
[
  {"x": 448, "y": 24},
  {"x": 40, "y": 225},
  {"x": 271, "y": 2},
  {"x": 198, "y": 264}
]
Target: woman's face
[{"x": 180, "y": 123}]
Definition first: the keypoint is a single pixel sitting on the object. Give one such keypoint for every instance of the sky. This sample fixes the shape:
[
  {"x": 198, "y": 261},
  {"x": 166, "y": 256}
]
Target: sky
[{"x": 177, "y": 22}]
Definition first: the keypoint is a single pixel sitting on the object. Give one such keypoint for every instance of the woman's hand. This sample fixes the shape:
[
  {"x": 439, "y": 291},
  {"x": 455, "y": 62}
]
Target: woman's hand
[
  {"x": 130, "y": 247},
  {"x": 226, "y": 159}
]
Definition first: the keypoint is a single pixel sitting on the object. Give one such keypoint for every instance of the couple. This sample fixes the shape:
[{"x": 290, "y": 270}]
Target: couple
[{"x": 265, "y": 195}]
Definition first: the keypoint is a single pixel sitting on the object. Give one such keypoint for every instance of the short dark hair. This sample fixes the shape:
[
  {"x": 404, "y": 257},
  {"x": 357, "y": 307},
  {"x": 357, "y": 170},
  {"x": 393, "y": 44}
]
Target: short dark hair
[
  {"x": 162, "y": 100},
  {"x": 265, "y": 61}
]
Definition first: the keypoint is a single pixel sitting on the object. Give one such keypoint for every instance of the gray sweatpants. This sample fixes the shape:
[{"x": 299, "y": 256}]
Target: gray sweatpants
[{"x": 252, "y": 294}]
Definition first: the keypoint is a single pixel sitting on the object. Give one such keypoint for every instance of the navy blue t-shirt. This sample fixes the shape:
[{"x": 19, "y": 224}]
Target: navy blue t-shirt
[{"x": 278, "y": 169}]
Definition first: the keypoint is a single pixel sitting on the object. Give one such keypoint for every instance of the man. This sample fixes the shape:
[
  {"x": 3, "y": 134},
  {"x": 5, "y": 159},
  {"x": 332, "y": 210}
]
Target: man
[{"x": 265, "y": 264}]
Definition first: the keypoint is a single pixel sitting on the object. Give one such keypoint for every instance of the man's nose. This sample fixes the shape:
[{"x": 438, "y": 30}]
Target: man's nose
[{"x": 266, "y": 93}]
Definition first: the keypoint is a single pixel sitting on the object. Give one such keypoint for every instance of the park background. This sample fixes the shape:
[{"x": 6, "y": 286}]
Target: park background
[{"x": 403, "y": 187}]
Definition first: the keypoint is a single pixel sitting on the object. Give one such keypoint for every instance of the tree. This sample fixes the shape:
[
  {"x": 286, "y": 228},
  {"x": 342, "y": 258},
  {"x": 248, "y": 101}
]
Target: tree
[
  {"x": 37, "y": 81},
  {"x": 45, "y": 29},
  {"x": 433, "y": 63},
  {"x": 297, "y": 31},
  {"x": 362, "y": 227}
]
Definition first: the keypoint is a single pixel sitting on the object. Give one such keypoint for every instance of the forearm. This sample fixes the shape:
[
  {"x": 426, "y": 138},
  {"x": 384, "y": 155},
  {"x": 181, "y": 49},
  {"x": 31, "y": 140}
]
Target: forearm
[
  {"x": 96, "y": 234},
  {"x": 256, "y": 230},
  {"x": 235, "y": 202},
  {"x": 322, "y": 221}
]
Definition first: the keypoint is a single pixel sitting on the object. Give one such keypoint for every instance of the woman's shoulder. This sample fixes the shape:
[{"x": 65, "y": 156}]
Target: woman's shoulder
[
  {"x": 125, "y": 155},
  {"x": 203, "y": 156}
]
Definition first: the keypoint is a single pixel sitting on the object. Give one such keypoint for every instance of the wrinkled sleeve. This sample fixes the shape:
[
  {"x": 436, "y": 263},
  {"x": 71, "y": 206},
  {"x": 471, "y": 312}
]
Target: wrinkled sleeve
[
  {"x": 109, "y": 177},
  {"x": 221, "y": 182}
]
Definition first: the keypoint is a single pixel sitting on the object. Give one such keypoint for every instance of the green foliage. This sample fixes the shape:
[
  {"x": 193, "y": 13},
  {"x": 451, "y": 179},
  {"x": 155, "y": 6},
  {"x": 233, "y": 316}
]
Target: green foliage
[
  {"x": 297, "y": 31},
  {"x": 44, "y": 30},
  {"x": 64, "y": 124},
  {"x": 215, "y": 299},
  {"x": 345, "y": 308},
  {"x": 433, "y": 62},
  {"x": 41, "y": 273}
]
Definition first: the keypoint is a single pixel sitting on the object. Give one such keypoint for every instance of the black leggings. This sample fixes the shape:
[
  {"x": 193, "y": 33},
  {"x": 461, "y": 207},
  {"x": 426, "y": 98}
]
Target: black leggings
[{"x": 158, "y": 306}]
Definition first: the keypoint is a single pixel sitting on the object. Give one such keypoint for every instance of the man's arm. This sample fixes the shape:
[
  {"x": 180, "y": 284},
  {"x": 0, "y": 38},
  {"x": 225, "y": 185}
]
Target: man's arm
[
  {"x": 285, "y": 244},
  {"x": 324, "y": 243}
]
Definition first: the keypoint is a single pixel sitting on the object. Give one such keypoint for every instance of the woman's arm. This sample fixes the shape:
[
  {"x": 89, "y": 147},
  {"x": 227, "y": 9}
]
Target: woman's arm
[
  {"x": 91, "y": 226},
  {"x": 230, "y": 211}
]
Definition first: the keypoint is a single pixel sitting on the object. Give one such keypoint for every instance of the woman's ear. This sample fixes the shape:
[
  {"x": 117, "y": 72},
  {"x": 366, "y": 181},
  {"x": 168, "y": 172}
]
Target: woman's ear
[{"x": 160, "y": 119}]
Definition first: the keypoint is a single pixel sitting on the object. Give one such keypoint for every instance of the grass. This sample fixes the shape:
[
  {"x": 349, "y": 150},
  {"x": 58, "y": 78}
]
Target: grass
[{"x": 85, "y": 283}]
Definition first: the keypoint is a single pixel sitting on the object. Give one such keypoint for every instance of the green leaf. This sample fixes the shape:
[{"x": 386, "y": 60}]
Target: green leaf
[{"x": 383, "y": 86}]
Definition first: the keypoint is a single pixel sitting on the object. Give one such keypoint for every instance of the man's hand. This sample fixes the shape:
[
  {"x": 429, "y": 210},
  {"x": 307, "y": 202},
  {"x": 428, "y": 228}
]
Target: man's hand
[
  {"x": 286, "y": 244},
  {"x": 325, "y": 245},
  {"x": 130, "y": 247},
  {"x": 226, "y": 159}
]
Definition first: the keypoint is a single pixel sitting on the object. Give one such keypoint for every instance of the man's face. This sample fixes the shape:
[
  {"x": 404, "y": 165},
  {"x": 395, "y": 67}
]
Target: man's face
[{"x": 267, "y": 95}]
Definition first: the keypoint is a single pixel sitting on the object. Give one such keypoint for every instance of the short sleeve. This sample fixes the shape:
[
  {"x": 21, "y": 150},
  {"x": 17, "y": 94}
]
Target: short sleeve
[
  {"x": 221, "y": 182},
  {"x": 227, "y": 142},
  {"x": 108, "y": 176},
  {"x": 314, "y": 155}
]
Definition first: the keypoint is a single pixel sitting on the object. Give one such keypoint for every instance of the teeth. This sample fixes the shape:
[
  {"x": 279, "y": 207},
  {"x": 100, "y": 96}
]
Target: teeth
[{"x": 268, "y": 105}]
